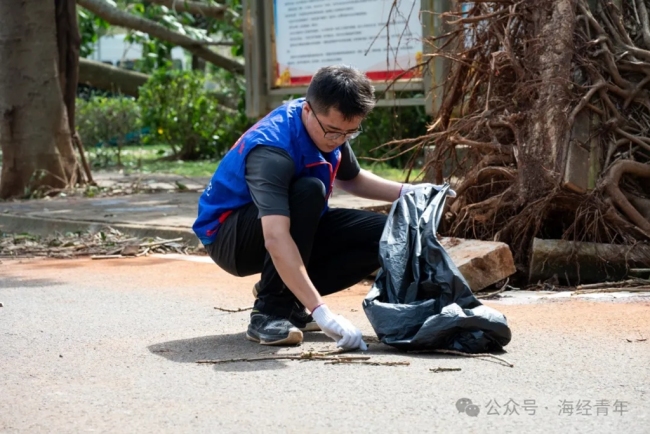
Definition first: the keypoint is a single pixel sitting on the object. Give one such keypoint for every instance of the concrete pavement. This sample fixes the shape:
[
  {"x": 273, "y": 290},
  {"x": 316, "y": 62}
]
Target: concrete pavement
[{"x": 111, "y": 346}]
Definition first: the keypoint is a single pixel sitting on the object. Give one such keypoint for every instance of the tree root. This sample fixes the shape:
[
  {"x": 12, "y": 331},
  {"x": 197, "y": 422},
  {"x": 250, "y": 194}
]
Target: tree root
[{"x": 611, "y": 186}]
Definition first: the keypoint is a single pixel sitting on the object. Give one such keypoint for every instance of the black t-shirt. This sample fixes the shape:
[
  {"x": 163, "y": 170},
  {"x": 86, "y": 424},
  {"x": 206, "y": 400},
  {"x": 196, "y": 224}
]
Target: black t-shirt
[{"x": 270, "y": 170}]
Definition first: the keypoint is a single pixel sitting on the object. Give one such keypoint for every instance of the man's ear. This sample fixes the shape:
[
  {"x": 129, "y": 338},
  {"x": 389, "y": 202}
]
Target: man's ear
[{"x": 306, "y": 107}]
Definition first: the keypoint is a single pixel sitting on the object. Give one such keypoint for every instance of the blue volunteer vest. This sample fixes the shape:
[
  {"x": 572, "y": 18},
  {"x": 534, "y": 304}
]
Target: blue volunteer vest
[{"x": 228, "y": 191}]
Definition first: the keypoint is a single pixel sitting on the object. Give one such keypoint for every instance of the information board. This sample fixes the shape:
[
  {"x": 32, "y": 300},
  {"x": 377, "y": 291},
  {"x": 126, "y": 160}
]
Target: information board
[{"x": 382, "y": 38}]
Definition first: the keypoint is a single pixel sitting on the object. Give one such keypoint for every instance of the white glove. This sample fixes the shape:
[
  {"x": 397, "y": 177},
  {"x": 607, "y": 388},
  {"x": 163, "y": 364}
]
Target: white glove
[
  {"x": 338, "y": 328},
  {"x": 407, "y": 188}
]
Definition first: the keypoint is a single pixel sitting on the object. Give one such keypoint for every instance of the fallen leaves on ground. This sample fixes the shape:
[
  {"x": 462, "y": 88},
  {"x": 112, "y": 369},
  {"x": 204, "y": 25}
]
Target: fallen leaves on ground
[{"x": 104, "y": 244}]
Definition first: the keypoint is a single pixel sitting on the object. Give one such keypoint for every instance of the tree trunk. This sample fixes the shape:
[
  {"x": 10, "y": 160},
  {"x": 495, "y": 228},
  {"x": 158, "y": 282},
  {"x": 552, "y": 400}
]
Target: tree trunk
[
  {"x": 542, "y": 153},
  {"x": 34, "y": 131},
  {"x": 68, "y": 44}
]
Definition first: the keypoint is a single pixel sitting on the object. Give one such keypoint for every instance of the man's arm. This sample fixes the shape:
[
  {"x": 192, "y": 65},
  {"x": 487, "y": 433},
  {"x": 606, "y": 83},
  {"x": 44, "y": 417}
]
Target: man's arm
[
  {"x": 287, "y": 260},
  {"x": 371, "y": 186},
  {"x": 269, "y": 172}
]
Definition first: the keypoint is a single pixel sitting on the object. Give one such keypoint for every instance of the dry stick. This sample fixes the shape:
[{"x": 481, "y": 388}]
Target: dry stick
[
  {"x": 158, "y": 243},
  {"x": 608, "y": 290},
  {"x": 239, "y": 309},
  {"x": 612, "y": 284},
  {"x": 440, "y": 369},
  {"x": 107, "y": 257},
  {"x": 460, "y": 353},
  {"x": 303, "y": 356},
  {"x": 364, "y": 362},
  {"x": 503, "y": 288}
]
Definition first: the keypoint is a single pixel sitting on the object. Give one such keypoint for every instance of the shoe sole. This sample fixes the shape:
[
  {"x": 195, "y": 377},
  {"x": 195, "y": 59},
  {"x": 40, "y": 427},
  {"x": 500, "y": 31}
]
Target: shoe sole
[{"x": 294, "y": 338}]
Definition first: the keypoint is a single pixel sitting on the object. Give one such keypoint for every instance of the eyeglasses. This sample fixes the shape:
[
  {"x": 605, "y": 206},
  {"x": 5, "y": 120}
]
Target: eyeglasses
[{"x": 332, "y": 135}]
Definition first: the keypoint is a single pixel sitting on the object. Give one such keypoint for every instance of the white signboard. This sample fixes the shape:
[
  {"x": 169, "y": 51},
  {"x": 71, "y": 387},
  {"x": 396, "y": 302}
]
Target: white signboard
[{"x": 383, "y": 38}]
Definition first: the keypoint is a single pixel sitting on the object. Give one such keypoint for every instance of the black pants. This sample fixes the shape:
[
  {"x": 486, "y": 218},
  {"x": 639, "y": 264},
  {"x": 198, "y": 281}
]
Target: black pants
[{"x": 339, "y": 248}]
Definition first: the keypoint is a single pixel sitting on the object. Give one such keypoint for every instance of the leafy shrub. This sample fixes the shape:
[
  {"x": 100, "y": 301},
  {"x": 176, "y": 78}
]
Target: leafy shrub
[
  {"x": 182, "y": 112},
  {"x": 107, "y": 124},
  {"x": 385, "y": 124}
]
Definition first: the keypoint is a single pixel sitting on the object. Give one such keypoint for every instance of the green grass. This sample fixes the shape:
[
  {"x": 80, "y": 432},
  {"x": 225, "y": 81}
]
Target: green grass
[{"x": 145, "y": 159}]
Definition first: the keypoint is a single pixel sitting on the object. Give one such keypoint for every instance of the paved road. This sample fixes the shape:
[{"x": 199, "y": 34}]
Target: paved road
[{"x": 111, "y": 346}]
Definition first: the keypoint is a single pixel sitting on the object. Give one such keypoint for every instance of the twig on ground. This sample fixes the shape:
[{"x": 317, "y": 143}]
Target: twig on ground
[
  {"x": 365, "y": 362},
  {"x": 440, "y": 369},
  {"x": 492, "y": 294},
  {"x": 637, "y": 281},
  {"x": 161, "y": 242},
  {"x": 460, "y": 353},
  {"x": 107, "y": 257},
  {"x": 239, "y": 309},
  {"x": 334, "y": 356},
  {"x": 615, "y": 289}
]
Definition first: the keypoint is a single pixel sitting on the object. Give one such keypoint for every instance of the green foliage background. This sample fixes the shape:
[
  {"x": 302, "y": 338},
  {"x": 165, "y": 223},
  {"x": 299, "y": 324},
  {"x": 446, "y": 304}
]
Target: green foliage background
[{"x": 182, "y": 109}]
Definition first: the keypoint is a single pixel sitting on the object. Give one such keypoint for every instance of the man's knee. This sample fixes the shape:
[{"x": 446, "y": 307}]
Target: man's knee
[{"x": 308, "y": 190}]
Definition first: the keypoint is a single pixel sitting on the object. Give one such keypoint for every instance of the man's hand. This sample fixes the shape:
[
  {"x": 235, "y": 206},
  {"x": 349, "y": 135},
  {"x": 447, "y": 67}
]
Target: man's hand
[
  {"x": 338, "y": 328},
  {"x": 407, "y": 188}
]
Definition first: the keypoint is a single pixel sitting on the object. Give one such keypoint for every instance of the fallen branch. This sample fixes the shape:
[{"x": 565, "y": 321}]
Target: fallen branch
[{"x": 239, "y": 309}]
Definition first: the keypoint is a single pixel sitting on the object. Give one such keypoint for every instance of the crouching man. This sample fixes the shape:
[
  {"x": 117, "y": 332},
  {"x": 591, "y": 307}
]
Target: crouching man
[{"x": 265, "y": 210}]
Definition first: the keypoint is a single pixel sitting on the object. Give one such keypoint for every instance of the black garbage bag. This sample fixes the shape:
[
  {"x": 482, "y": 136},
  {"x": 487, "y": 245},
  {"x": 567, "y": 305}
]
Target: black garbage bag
[{"x": 420, "y": 301}]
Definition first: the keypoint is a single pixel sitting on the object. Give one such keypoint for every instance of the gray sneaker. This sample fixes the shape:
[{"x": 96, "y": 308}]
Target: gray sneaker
[
  {"x": 272, "y": 330},
  {"x": 299, "y": 316}
]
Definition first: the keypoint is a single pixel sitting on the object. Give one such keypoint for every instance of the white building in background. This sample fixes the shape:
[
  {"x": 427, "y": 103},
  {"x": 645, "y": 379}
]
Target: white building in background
[{"x": 114, "y": 50}]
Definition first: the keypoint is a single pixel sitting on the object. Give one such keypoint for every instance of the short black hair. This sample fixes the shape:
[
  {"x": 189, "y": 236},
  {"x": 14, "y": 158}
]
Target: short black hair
[{"x": 343, "y": 88}]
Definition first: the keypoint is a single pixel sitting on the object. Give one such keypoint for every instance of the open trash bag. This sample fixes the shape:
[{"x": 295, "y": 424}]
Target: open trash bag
[{"x": 419, "y": 300}]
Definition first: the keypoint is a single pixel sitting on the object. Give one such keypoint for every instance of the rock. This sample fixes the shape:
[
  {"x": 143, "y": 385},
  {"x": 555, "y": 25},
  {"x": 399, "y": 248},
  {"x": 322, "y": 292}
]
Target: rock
[{"x": 482, "y": 263}]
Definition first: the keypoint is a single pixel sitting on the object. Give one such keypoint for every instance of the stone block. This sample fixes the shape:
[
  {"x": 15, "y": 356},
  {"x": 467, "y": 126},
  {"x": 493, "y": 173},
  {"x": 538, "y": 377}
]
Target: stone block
[{"x": 482, "y": 263}]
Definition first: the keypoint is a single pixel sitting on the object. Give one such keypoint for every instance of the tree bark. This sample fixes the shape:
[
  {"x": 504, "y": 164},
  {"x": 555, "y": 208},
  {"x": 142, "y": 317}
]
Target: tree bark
[
  {"x": 34, "y": 130},
  {"x": 68, "y": 42},
  {"x": 206, "y": 10},
  {"x": 543, "y": 151},
  {"x": 124, "y": 19}
]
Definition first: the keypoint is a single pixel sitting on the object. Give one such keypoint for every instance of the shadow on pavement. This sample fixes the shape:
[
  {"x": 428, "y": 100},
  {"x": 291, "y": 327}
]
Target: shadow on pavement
[
  {"x": 222, "y": 347},
  {"x": 12, "y": 282}
]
